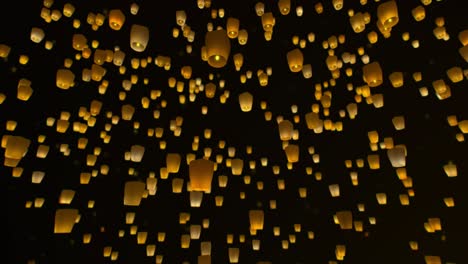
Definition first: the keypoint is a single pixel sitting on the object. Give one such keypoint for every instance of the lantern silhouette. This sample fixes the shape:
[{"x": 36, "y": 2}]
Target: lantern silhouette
[{"x": 218, "y": 48}]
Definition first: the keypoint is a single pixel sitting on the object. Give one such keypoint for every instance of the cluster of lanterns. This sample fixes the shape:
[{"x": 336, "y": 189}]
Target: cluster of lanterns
[{"x": 198, "y": 171}]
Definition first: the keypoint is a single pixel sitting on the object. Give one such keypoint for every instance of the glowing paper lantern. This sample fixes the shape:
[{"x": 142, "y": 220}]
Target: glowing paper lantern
[
  {"x": 292, "y": 153},
  {"x": 173, "y": 162},
  {"x": 337, "y": 4},
  {"x": 65, "y": 220},
  {"x": 243, "y": 36},
  {"x": 237, "y": 165},
  {"x": 372, "y": 74},
  {"x": 233, "y": 255},
  {"x": 116, "y": 19},
  {"x": 397, "y": 156},
  {"x": 284, "y": 6},
  {"x": 201, "y": 175},
  {"x": 127, "y": 112},
  {"x": 396, "y": 78},
  {"x": 357, "y": 22},
  {"x": 345, "y": 219},
  {"x": 24, "y": 89},
  {"x": 387, "y": 13},
  {"x": 65, "y": 79},
  {"x": 232, "y": 27},
  {"x": 136, "y": 153},
  {"x": 285, "y": 128},
  {"x": 268, "y": 21},
  {"x": 374, "y": 161},
  {"x": 139, "y": 37},
  {"x": 295, "y": 60},
  {"x": 218, "y": 48},
  {"x": 181, "y": 17},
  {"x": 37, "y": 34},
  {"x": 245, "y": 101},
  {"x": 256, "y": 219},
  {"x": 133, "y": 192}
]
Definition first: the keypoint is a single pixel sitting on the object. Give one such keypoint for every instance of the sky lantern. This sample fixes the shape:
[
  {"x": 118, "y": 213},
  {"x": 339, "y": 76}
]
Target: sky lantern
[
  {"x": 372, "y": 74},
  {"x": 295, "y": 60},
  {"x": 218, "y": 48},
  {"x": 116, "y": 19},
  {"x": 65, "y": 220},
  {"x": 201, "y": 175},
  {"x": 387, "y": 13},
  {"x": 133, "y": 193},
  {"x": 139, "y": 37}
]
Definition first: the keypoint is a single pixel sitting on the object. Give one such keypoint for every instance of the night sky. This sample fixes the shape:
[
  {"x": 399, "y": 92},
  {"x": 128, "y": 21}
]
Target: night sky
[{"x": 432, "y": 134}]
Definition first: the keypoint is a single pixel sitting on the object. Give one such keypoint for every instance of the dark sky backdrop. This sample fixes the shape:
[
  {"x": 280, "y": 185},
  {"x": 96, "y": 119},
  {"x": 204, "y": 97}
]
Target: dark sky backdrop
[{"x": 429, "y": 140}]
